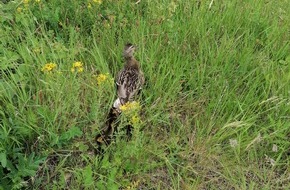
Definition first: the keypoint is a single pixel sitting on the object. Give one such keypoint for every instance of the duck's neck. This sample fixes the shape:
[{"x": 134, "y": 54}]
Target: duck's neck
[{"x": 131, "y": 62}]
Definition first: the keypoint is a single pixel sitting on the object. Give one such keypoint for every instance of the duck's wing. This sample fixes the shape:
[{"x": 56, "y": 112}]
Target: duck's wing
[
  {"x": 128, "y": 83},
  {"x": 141, "y": 79}
]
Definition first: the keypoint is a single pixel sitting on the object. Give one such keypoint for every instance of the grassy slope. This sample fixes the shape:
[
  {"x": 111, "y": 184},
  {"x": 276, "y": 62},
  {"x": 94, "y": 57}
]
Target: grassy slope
[{"x": 215, "y": 106}]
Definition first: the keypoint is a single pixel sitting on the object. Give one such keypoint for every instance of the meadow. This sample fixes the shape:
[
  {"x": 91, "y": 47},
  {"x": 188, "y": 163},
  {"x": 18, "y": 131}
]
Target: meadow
[{"x": 215, "y": 109}]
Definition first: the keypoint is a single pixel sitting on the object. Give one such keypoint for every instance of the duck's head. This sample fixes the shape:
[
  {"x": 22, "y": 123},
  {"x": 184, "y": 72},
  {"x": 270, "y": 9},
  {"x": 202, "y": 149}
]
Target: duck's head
[{"x": 129, "y": 50}]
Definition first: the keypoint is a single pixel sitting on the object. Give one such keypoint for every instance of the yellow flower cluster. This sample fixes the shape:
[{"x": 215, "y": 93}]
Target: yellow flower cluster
[
  {"x": 25, "y": 2},
  {"x": 135, "y": 120},
  {"x": 48, "y": 67},
  {"x": 97, "y": 1},
  {"x": 77, "y": 67},
  {"x": 89, "y": 5},
  {"x": 25, "y": 5},
  {"x": 101, "y": 78},
  {"x": 130, "y": 110},
  {"x": 94, "y": 2},
  {"x": 19, "y": 9},
  {"x": 133, "y": 185},
  {"x": 130, "y": 106}
]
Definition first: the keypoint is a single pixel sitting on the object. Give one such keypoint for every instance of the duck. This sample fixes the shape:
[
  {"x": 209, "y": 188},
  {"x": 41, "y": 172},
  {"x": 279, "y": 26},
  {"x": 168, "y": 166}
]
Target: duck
[
  {"x": 130, "y": 79},
  {"x": 129, "y": 82}
]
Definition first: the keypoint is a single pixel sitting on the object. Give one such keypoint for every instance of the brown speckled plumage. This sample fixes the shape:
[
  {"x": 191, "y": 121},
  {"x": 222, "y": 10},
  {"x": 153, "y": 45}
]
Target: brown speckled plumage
[{"x": 130, "y": 79}]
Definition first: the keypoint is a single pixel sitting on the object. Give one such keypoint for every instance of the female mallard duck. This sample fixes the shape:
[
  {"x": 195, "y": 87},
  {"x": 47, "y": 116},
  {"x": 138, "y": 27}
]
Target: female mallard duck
[{"x": 130, "y": 79}]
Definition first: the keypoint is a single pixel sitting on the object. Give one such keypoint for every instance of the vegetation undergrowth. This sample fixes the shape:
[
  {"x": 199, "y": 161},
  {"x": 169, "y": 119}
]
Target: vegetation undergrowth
[{"x": 214, "y": 114}]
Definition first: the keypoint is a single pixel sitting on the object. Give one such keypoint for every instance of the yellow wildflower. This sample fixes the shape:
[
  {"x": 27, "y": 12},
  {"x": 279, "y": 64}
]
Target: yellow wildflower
[
  {"x": 89, "y": 6},
  {"x": 97, "y": 1},
  {"x": 101, "y": 78},
  {"x": 48, "y": 67},
  {"x": 131, "y": 112},
  {"x": 135, "y": 119},
  {"x": 81, "y": 69},
  {"x": 77, "y": 66},
  {"x": 26, "y": 3},
  {"x": 19, "y": 9},
  {"x": 130, "y": 106},
  {"x": 133, "y": 185}
]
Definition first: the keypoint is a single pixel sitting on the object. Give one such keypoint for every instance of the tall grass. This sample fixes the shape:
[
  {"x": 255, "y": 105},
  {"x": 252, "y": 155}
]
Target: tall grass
[{"x": 215, "y": 107}]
